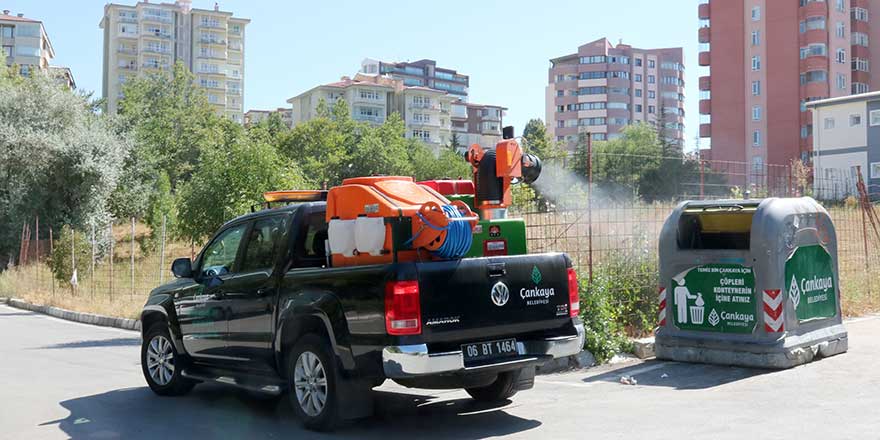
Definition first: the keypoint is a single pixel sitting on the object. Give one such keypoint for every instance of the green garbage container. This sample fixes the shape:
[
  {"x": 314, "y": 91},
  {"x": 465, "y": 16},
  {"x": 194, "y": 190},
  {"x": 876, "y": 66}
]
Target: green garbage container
[{"x": 749, "y": 282}]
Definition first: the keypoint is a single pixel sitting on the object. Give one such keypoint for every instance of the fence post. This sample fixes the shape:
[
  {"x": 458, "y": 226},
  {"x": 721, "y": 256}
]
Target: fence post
[
  {"x": 52, "y": 254},
  {"x": 110, "y": 260},
  {"x": 73, "y": 261},
  {"x": 162, "y": 252},
  {"x": 864, "y": 203},
  {"x": 590, "y": 207},
  {"x": 132, "y": 258},
  {"x": 702, "y": 180},
  {"x": 92, "y": 266},
  {"x": 37, "y": 250}
]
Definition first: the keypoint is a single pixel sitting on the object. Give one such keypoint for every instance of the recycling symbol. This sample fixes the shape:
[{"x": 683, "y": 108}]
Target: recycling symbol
[{"x": 713, "y": 318}]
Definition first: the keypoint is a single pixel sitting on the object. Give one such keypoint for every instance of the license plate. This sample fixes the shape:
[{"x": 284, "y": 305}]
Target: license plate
[{"x": 481, "y": 351}]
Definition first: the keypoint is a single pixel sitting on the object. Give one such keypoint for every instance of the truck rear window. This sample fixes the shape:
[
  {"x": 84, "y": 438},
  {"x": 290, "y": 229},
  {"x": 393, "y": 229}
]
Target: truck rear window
[{"x": 719, "y": 227}]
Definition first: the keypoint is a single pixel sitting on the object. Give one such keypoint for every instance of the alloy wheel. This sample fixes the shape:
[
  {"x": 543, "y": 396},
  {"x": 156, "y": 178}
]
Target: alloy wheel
[
  {"x": 160, "y": 360},
  {"x": 310, "y": 383}
]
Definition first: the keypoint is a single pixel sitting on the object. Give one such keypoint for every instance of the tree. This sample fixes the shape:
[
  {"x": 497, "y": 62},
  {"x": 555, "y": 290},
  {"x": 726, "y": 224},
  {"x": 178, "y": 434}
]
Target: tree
[
  {"x": 230, "y": 180},
  {"x": 538, "y": 142},
  {"x": 58, "y": 159}
]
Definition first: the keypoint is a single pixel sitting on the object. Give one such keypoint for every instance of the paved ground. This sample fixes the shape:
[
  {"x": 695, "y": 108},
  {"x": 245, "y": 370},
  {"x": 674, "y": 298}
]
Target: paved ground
[{"x": 65, "y": 380}]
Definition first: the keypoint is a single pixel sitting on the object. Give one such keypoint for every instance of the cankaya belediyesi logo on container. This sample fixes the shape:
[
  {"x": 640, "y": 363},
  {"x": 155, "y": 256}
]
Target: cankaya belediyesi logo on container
[{"x": 537, "y": 295}]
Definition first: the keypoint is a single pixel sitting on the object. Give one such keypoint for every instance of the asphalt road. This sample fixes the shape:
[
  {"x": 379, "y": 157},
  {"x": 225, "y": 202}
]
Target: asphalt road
[{"x": 66, "y": 380}]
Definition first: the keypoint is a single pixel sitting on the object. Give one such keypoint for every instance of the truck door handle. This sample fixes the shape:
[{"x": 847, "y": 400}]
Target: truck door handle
[
  {"x": 262, "y": 291},
  {"x": 496, "y": 270}
]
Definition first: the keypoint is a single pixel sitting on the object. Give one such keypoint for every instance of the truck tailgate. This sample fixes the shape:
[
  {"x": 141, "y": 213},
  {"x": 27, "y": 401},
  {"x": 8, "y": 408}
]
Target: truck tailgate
[{"x": 481, "y": 298}]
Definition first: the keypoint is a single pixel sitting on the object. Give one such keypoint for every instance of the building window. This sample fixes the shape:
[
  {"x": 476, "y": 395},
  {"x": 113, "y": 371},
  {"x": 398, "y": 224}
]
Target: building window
[
  {"x": 7, "y": 50},
  {"x": 875, "y": 118},
  {"x": 861, "y": 64},
  {"x": 756, "y": 38},
  {"x": 841, "y": 56},
  {"x": 841, "y": 81},
  {"x": 756, "y": 62},
  {"x": 814, "y": 50},
  {"x": 652, "y": 94},
  {"x": 596, "y": 59},
  {"x": 424, "y": 135},
  {"x": 638, "y": 93},
  {"x": 814, "y": 76},
  {"x": 859, "y": 14},
  {"x": 855, "y": 120},
  {"x": 651, "y": 64},
  {"x": 560, "y": 108},
  {"x": 756, "y": 88},
  {"x": 638, "y": 108},
  {"x": 638, "y": 62},
  {"x": 638, "y": 77},
  {"x": 756, "y": 13},
  {"x": 841, "y": 5},
  {"x": 806, "y": 131},
  {"x": 652, "y": 109},
  {"x": 756, "y": 138},
  {"x": 858, "y": 88},
  {"x": 6, "y": 31},
  {"x": 652, "y": 79},
  {"x": 841, "y": 29},
  {"x": 756, "y": 113},
  {"x": 812, "y": 24},
  {"x": 829, "y": 123},
  {"x": 860, "y": 39},
  {"x": 560, "y": 93},
  {"x": 875, "y": 170},
  {"x": 757, "y": 165}
]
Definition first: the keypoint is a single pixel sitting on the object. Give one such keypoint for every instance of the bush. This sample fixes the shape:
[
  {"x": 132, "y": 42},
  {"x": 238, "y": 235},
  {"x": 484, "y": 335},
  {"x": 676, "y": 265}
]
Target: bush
[
  {"x": 621, "y": 301},
  {"x": 60, "y": 261}
]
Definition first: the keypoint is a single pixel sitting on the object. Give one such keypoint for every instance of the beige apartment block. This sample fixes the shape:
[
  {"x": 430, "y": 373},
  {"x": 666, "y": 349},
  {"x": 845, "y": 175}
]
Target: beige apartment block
[
  {"x": 254, "y": 117},
  {"x": 147, "y": 38},
  {"x": 25, "y": 43},
  {"x": 477, "y": 124},
  {"x": 372, "y": 98}
]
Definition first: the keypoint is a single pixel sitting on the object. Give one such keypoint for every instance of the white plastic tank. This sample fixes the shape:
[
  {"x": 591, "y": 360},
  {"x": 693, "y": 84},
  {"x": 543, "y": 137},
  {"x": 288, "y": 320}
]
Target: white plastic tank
[
  {"x": 370, "y": 235},
  {"x": 341, "y": 237}
]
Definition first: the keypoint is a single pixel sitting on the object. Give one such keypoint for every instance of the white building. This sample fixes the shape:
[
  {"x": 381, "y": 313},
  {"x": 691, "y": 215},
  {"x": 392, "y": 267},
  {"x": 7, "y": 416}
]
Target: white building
[{"x": 846, "y": 138}]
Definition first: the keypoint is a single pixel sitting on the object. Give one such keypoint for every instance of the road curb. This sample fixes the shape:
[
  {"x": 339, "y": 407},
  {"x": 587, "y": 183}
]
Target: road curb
[{"x": 69, "y": 315}]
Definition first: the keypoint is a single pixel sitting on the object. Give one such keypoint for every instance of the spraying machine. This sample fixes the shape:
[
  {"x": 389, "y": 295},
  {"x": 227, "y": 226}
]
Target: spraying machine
[{"x": 494, "y": 171}]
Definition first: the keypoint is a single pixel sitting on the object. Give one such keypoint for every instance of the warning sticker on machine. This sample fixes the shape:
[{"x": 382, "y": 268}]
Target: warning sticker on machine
[
  {"x": 715, "y": 298},
  {"x": 809, "y": 275}
]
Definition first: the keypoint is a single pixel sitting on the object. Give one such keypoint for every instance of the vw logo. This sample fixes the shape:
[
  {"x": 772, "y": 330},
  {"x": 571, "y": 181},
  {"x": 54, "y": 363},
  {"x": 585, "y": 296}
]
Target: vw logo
[{"x": 500, "y": 294}]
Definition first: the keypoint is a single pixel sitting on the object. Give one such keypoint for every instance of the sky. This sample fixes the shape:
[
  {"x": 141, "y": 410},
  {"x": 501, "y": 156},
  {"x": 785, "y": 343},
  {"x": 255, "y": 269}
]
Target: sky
[{"x": 504, "y": 46}]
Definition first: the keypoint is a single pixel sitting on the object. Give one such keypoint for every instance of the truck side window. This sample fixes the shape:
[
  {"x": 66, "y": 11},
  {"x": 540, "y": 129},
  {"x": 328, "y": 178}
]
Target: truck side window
[
  {"x": 263, "y": 243},
  {"x": 219, "y": 257},
  {"x": 310, "y": 250}
]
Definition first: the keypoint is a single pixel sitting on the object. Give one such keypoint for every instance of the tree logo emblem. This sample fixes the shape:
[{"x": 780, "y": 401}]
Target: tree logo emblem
[
  {"x": 794, "y": 292},
  {"x": 714, "y": 319},
  {"x": 536, "y": 275}
]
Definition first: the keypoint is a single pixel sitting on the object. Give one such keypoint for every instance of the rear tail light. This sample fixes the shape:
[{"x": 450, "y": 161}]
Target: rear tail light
[
  {"x": 574, "y": 297},
  {"x": 402, "y": 309}
]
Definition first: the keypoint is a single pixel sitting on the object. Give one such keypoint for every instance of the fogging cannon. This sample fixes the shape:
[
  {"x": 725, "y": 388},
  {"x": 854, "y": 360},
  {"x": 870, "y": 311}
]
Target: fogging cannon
[{"x": 495, "y": 171}]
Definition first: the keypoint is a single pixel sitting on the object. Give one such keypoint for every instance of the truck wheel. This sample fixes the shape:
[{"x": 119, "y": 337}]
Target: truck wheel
[
  {"x": 162, "y": 364},
  {"x": 313, "y": 383},
  {"x": 503, "y": 388}
]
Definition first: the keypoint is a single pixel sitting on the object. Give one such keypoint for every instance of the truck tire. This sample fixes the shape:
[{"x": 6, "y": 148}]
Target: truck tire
[
  {"x": 313, "y": 382},
  {"x": 162, "y": 364},
  {"x": 502, "y": 389}
]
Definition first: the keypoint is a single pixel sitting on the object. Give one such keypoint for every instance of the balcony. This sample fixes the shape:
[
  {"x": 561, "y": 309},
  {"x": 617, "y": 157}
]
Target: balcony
[
  {"x": 127, "y": 19},
  {"x": 152, "y": 66},
  {"x": 157, "y": 18},
  {"x": 423, "y": 106},
  {"x": 159, "y": 50},
  {"x": 705, "y": 34},
  {"x": 705, "y": 58},
  {"x": 162, "y": 35},
  {"x": 372, "y": 119},
  {"x": 814, "y": 9},
  {"x": 212, "y": 25},
  {"x": 705, "y": 106},
  {"x": 703, "y": 11},
  {"x": 428, "y": 123},
  {"x": 705, "y": 83},
  {"x": 705, "y": 130},
  {"x": 215, "y": 41},
  {"x": 129, "y": 67},
  {"x": 127, "y": 51}
]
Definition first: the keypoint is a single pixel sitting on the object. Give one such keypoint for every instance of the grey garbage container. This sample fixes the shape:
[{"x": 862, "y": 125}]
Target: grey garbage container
[{"x": 750, "y": 283}]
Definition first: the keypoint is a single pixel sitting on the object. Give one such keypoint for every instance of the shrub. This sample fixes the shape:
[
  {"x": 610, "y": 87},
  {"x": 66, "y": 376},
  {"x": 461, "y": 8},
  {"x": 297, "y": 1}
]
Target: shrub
[{"x": 60, "y": 261}]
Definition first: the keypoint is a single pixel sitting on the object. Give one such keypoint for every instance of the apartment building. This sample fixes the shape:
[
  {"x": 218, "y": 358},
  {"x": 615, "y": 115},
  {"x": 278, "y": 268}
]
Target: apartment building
[
  {"x": 25, "y": 43},
  {"x": 422, "y": 73},
  {"x": 602, "y": 88},
  {"x": 764, "y": 61},
  {"x": 846, "y": 139},
  {"x": 477, "y": 124},
  {"x": 150, "y": 37},
  {"x": 254, "y": 117},
  {"x": 63, "y": 76},
  {"x": 372, "y": 98}
]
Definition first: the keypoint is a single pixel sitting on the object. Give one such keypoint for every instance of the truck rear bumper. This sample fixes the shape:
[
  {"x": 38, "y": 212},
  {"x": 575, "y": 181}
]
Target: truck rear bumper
[{"x": 403, "y": 361}]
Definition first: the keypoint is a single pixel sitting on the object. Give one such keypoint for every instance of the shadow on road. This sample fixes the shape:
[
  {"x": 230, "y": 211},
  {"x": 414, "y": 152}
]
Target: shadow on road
[
  {"x": 682, "y": 376},
  {"x": 212, "y": 411},
  {"x": 113, "y": 342},
  {"x": 18, "y": 314}
]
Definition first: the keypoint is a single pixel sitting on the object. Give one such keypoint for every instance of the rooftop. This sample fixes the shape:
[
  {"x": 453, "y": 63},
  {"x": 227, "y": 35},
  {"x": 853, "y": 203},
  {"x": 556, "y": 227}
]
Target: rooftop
[
  {"x": 870, "y": 96},
  {"x": 7, "y": 16}
]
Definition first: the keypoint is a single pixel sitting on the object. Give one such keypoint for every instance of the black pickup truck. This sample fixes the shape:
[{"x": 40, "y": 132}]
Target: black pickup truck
[{"x": 260, "y": 308}]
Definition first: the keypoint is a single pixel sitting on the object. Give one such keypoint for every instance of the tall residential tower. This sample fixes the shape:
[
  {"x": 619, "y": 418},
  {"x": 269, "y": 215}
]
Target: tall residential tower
[
  {"x": 766, "y": 59},
  {"x": 151, "y": 37},
  {"x": 602, "y": 88}
]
